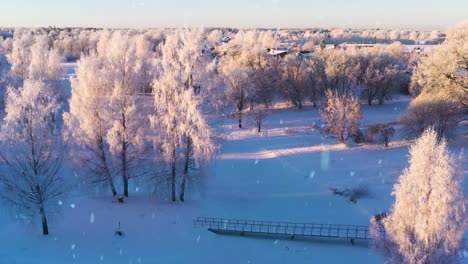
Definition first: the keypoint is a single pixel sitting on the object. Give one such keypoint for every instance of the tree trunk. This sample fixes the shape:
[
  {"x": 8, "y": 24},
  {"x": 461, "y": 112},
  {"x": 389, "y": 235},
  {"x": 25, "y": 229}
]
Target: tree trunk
[
  {"x": 369, "y": 100},
  {"x": 240, "y": 119},
  {"x": 112, "y": 185},
  {"x": 107, "y": 170},
  {"x": 103, "y": 157},
  {"x": 45, "y": 227},
  {"x": 381, "y": 101},
  {"x": 186, "y": 169},
  {"x": 124, "y": 157},
  {"x": 259, "y": 127},
  {"x": 173, "y": 176},
  {"x": 341, "y": 138},
  {"x": 125, "y": 186}
]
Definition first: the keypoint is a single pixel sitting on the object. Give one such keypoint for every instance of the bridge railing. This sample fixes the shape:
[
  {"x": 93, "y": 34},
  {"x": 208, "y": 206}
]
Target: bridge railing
[{"x": 355, "y": 232}]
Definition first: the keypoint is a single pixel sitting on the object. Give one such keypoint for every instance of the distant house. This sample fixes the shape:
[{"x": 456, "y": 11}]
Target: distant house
[
  {"x": 278, "y": 52},
  {"x": 333, "y": 47},
  {"x": 226, "y": 39},
  {"x": 304, "y": 53}
]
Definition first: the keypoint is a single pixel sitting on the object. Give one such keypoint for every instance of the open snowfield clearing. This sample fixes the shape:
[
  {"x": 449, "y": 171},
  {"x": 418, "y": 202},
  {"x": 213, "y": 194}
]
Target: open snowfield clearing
[{"x": 281, "y": 174}]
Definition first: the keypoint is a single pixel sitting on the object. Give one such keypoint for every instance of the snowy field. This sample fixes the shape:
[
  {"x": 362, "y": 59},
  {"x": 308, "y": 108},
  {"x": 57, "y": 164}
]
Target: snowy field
[{"x": 281, "y": 174}]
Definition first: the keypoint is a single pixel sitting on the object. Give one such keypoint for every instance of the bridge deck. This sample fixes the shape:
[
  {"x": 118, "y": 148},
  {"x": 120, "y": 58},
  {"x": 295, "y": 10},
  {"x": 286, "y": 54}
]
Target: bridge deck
[{"x": 251, "y": 227}]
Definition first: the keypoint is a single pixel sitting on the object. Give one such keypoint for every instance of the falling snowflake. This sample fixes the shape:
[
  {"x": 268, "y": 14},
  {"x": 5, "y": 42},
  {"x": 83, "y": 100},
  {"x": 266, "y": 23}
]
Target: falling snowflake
[
  {"x": 198, "y": 239},
  {"x": 256, "y": 161},
  {"x": 72, "y": 247},
  {"x": 60, "y": 202},
  {"x": 102, "y": 258},
  {"x": 91, "y": 218},
  {"x": 281, "y": 121},
  {"x": 312, "y": 174},
  {"x": 352, "y": 173},
  {"x": 72, "y": 205},
  {"x": 276, "y": 242},
  {"x": 380, "y": 161},
  {"x": 137, "y": 189},
  {"x": 325, "y": 160}
]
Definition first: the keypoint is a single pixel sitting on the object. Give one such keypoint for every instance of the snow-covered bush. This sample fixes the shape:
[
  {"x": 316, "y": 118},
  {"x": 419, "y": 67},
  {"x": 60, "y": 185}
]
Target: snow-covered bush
[
  {"x": 383, "y": 131},
  {"x": 428, "y": 110}
]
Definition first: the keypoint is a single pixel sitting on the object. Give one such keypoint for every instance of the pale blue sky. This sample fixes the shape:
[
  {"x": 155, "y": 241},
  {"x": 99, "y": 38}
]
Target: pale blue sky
[{"x": 411, "y": 14}]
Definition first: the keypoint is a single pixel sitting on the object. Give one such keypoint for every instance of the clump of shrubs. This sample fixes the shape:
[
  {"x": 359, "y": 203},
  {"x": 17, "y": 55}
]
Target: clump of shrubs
[
  {"x": 380, "y": 133},
  {"x": 352, "y": 194},
  {"x": 439, "y": 112}
]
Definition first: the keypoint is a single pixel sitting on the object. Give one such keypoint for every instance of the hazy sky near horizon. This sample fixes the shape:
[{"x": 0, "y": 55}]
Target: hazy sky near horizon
[{"x": 405, "y": 14}]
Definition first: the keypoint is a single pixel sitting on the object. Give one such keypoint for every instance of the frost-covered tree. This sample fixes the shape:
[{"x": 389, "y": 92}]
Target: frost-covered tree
[
  {"x": 44, "y": 62},
  {"x": 258, "y": 115},
  {"x": 427, "y": 222},
  {"x": 32, "y": 57},
  {"x": 445, "y": 70},
  {"x": 294, "y": 80},
  {"x": 239, "y": 86},
  {"x": 32, "y": 151},
  {"x": 181, "y": 130},
  {"x": 380, "y": 74},
  {"x": 247, "y": 58},
  {"x": 315, "y": 89},
  {"x": 164, "y": 121},
  {"x": 112, "y": 82},
  {"x": 126, "y": 134},
  {"x": 342, "y": 114},
  {"x": 3, "y": 76},
  {"x": 341, "y": 70},
  {"x": 197, "y": 136},
  {"x": 20, "y": 56},
  {"x": 88, "y": 122}
]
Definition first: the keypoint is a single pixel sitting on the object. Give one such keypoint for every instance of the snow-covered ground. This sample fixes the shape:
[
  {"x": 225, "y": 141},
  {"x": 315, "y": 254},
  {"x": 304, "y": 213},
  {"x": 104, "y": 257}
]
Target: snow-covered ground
[{"x": 281, "y": 174}]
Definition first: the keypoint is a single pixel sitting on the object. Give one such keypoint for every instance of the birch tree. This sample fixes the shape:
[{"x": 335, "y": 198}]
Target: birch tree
[
  {"x": 32, "y": 151},
  {"x": 118, "y": 73},
  {"x": 87, "y": 122},
  {"x": 180, "y": 126}
]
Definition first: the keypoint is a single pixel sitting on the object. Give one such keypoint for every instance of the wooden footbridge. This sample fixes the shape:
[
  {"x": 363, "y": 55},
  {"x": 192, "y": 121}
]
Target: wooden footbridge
[{"x": 352, "y": 233}]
